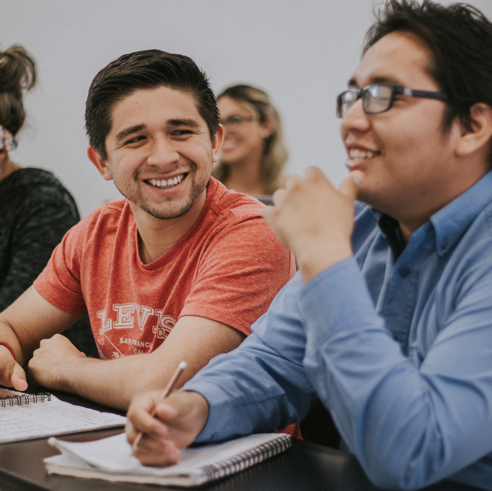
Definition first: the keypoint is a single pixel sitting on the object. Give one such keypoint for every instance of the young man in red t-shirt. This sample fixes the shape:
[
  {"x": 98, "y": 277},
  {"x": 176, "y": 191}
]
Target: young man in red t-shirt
[{"x": 178, "y": 270}]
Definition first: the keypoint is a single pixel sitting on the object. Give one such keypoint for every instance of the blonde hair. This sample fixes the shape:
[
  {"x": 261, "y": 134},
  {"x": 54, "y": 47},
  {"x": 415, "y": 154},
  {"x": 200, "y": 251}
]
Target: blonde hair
[
  {"x": 275, "y": 154},
  {"x": 17, "y": 73}
]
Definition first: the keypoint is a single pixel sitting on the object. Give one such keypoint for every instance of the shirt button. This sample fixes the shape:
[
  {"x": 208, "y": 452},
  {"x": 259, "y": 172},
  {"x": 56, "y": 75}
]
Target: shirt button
[{"x": 404, "y": 271}]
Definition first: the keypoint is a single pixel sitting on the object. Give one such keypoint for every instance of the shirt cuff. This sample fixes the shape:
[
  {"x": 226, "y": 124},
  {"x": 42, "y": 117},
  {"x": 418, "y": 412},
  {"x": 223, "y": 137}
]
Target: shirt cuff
[{"x": 219, "y": 407}]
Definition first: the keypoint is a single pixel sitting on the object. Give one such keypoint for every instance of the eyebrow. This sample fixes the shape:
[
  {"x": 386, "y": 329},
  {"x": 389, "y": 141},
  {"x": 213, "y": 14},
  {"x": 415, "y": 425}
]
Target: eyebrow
[
  {"x": 191, "y": 123},
  {"x": 128, "y": 131},
  {"x": 236, "y": 115},
  {"x": 184, "y": 122},
  {"x": 375, "y": 80}
]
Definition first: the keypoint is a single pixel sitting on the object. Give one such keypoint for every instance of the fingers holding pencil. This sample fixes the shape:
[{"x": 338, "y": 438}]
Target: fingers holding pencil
[
  {"x": 155, "y": 448},
  {"x": 167, "y": 391},
  {"x": 179, "y": 419}
]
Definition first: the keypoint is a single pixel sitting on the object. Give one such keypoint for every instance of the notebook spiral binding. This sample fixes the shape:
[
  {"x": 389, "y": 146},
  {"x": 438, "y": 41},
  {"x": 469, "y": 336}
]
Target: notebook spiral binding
[
  {"x": 247, "y": 459},
  {"x": 24, "y": 399}
]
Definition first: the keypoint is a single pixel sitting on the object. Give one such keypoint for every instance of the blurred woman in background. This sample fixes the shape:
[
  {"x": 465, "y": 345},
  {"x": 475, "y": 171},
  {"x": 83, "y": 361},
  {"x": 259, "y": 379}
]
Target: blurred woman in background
[
  {"x": 35, "y": 209},
  {"x": 253, "y": 154}
]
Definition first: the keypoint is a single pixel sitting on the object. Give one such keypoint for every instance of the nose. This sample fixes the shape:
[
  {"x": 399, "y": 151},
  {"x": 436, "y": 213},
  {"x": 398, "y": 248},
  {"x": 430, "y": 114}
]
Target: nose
[
  {"x": 229, "y": 128},
  {"x": 355, "y": 119},
  {"x": 163, "y": 152}
]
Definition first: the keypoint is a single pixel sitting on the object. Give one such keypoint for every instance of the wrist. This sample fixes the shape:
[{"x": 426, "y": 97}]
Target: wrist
[
  {"x": 65, "y": 378},
  {"x": 9, "y": 348},
  {"x": 316, "y": 259},
  {"x": 199, "y": 410},
  {"x": 202, "y": 409}
]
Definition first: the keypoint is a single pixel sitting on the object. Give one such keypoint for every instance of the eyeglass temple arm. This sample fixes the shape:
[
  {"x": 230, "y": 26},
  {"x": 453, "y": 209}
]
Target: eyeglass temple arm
[{"x": 423, "y": 93}]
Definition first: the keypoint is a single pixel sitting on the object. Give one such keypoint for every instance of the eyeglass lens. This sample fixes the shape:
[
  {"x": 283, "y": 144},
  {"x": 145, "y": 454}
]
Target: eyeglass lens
[
  {"x": 375, "y": 99},
  {"x": 235, "y": 120}
]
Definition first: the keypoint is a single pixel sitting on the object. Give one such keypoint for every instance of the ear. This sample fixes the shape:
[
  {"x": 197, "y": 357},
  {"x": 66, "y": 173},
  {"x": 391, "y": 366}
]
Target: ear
[
  {"x": 217, "y": 143},
  {"x": 479, "y": 134},
  {"x": 100, "y": 164},
  {"x": 267, "y": 127}
]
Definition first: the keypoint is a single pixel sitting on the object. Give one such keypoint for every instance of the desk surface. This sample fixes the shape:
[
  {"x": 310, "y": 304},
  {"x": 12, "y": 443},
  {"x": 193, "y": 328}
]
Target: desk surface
[{"x": 305, "y": 466}]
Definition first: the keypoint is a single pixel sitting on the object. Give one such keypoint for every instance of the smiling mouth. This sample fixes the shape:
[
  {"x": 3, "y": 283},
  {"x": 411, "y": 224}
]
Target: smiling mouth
[
  {"x": 228, "y": 145},
  {"x": 166, "y": 183},
  {"x": 361, "y": 155}
]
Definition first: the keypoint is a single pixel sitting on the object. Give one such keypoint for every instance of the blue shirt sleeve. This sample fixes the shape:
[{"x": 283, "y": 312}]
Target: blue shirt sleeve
[
  {"x": 262, "y": 385},
  {"x": 408, "y": 426}
]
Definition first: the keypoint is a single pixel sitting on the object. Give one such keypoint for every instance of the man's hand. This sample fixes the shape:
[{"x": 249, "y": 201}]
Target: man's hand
[
  {"x": 314, "y": 220},
  {"x": 51, "y": 362},
  {"x": 178, "y": 421},
  {"x": 11, "y": 373}
]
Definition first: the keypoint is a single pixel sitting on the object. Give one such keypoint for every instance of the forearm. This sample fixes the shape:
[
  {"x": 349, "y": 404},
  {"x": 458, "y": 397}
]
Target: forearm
[
  {"x": 59, "y": 365},
  {"x": 246, "y": 397},
  {"x": 407, "y": 425},
  {"x": 262, "y": 385},
  {"x": 7, "y": 335},
  {"x": 11, "y": 372},
  {"x": 111, "y": 382}
]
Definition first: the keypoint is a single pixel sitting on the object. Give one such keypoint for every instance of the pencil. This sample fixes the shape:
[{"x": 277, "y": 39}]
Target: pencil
[{"x": 169, "y": 388}]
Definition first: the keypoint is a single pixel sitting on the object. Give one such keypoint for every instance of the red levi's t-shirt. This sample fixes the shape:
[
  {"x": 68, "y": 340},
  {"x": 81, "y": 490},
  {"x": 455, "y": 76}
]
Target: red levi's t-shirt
[{"x": 228, "y": 268}]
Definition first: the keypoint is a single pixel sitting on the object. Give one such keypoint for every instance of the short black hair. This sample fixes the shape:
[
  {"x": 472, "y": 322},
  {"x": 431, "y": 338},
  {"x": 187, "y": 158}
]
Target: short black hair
[
  {"x": 145, "y": 70},
  {"x": 459, "y": 37}
]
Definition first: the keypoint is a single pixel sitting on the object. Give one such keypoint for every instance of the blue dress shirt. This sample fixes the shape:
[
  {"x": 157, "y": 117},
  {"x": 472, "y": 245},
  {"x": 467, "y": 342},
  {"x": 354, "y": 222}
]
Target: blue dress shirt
[{"x": 397, "y": 342}]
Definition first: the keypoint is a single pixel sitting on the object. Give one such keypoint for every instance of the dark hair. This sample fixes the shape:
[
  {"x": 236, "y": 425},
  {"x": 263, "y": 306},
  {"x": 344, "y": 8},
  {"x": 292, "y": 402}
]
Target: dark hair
[
  {"x": 275, "y": 154},
  {"x": 459, "y": 37},
  {"x": 144, "y": 70},
  {"x": 17, "y": 73}
]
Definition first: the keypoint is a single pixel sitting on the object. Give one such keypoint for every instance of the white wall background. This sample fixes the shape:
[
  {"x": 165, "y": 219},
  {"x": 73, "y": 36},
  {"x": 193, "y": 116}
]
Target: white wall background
[{"x": 301, "y": 52}]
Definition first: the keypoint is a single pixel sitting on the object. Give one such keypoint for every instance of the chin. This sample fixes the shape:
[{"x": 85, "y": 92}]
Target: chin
[
  {"x": 172, "y": 209},
  {"x": 233, "y": 158},
  {"x": 169, "y": 213},
  {"x": 367, "y": 196}
]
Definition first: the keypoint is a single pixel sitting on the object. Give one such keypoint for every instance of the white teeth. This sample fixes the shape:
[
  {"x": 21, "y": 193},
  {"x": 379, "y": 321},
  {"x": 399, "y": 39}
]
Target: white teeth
[
  {"x": 359, "y": 154},
  {"x": 166, "y": 184}
]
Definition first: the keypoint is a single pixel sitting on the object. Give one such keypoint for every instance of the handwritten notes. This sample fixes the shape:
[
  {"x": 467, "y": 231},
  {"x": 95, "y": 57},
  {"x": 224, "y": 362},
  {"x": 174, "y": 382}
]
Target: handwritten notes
[{"x": 48, "y": 418}]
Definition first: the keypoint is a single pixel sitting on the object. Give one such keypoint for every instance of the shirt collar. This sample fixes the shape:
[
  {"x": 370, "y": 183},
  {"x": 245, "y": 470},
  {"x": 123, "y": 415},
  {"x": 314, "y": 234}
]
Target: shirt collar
[
  {"x": 454, "y": 219},
  {"x": 450, "y": 222}
]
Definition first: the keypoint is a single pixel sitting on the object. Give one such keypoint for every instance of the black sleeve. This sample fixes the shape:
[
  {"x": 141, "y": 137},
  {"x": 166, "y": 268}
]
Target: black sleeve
[{"x": 40, "y": 224}]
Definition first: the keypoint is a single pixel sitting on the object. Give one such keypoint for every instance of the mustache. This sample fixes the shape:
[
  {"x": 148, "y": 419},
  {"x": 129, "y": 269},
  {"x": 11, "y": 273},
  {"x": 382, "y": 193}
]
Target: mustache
[{"x": 156, "y": 172}]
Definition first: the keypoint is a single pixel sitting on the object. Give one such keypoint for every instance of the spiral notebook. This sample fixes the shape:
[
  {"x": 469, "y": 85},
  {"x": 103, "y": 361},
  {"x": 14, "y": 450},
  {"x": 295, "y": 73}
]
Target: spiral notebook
[
  {"x": 28, "y": 416},
  {"x": 111, "y": 459}
]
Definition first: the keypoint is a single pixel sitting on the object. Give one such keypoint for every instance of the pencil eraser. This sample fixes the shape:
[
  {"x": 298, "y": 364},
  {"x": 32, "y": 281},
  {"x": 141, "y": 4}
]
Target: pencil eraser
[{"x": 183, "y": 365}]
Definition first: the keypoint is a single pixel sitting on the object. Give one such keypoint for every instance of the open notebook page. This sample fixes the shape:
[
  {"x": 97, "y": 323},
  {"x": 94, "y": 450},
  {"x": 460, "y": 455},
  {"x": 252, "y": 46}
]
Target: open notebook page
[
  {"x": 111, "y": 458},
  {"x": 48, "y": 418}
]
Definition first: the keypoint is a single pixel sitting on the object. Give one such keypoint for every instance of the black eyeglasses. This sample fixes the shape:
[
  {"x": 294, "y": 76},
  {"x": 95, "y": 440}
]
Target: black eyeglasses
[
  {"x": 379, "y": 98},
  {"x": 235, "y": 120}
]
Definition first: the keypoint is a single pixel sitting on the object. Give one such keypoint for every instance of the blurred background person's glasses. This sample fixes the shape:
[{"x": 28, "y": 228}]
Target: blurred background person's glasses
[{"x": 235, "y": 121}]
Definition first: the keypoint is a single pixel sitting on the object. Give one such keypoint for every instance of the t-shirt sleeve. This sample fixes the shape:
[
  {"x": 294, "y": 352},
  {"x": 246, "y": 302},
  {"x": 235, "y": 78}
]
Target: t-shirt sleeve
[
  {"x": 240, "y": 273},
  {"x": 59, "y": 282}
]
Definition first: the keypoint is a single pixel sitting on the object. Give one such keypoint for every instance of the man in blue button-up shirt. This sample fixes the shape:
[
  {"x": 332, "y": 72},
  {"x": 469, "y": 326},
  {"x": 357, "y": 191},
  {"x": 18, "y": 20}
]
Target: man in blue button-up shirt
[{"x": 388, "y": 321}]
